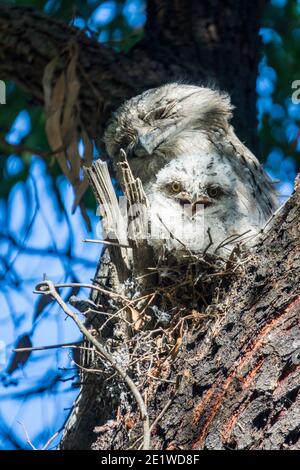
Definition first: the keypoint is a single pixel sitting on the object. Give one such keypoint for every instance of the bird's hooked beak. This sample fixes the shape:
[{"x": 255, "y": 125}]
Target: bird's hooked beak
[
  {"x": 148, "y": 142},
  {"x": 145, "y": 145}
]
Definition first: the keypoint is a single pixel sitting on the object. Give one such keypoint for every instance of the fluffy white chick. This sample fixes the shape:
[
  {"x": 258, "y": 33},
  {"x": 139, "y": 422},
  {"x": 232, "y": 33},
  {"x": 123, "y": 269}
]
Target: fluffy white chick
[{"x": 198, "y": 203}]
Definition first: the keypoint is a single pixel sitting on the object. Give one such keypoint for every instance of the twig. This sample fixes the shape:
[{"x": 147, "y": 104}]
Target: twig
[
  {"x": 47, "y": 288},
  {"x": 161, "y": 380},
  {"x": 51, "y": 346},
  {"x": 157, "y": 419},
  {"x": 231, "y": 239},
  {"x": 27, "y": 436},
  {"x": 173, "y": 236},
  {"x": 45, "y": 447},
  {"x": 92, "y": 286},
  {"x": 106, "y": 242},
  {"x": 210, "y": 243},
  {"x": 19, "y": 148},
  {"x": 163, "y": 411},
  {"x": 91, "y": 371}
]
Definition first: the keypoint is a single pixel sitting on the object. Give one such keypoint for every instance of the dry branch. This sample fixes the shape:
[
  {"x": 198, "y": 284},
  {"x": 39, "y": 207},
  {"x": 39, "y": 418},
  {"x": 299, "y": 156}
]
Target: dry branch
[
  {"x": 112, "y": 218},
  {"x": 142, "y": 253},
  {"x": 47, "y": 288}
]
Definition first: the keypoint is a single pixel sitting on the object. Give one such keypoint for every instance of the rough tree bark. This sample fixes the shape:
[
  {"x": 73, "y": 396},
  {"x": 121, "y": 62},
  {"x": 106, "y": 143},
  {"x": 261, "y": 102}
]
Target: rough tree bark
[{"x": 237, "y": 380}]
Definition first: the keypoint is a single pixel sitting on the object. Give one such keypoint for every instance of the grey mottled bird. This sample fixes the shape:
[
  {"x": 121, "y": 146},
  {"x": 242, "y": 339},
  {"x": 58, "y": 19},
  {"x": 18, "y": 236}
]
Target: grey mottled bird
[{"x": 204, "y": 186}]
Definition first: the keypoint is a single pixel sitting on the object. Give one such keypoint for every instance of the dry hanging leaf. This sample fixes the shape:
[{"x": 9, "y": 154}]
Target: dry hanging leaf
[
  {"x": 53, "y": 124},
  {"x": 63, "y": 124},
  {"x": 88, "y": 149}
]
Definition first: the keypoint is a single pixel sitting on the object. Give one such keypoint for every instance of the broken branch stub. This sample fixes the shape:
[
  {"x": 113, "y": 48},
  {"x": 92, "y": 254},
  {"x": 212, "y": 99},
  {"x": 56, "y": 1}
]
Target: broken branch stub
[
  {"x": 137, "y": 206},
  {"x": 112, "y": 219},
  {"x": 125, "y": 222}
]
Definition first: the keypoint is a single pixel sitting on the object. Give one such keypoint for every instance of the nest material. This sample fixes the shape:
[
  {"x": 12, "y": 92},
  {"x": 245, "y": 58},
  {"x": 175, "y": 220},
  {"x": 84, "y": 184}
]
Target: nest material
[{"x": 152, "y": 325}]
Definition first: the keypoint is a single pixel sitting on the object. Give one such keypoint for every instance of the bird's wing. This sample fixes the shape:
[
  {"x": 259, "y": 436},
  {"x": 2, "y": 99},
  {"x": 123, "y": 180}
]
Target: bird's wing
[{"x": 246, "y": 165}]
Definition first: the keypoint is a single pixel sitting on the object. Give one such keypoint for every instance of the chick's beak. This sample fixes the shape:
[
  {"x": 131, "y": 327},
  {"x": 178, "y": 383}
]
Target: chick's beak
[
  {"x": 184, "y": 199},
  {"x": 196, "y": 204},
  {"x": 202, "y": 200}
]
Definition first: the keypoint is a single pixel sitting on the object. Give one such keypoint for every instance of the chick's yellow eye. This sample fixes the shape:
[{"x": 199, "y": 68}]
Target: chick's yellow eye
[{"x": 176, "y": 187}]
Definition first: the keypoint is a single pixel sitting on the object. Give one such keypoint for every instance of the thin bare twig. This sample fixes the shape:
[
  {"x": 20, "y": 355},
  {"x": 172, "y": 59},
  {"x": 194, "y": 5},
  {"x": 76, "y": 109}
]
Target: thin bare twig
[
  {"x": 27, "y": 435},
  {"x": 106, "y": 242},
  {"x": 19, "y": 148},
  {"x": 231, "y": 239},
  {"x": 92, "y": 286},
  {"x": 173, "y": 236},
  {"x": 51, "y": 346},
  {"x": 161, "y": 380},
  {"x": 45, "y": 447},
  {"x": 48, "y": 288},
  {"x": 210, "y": 243}
]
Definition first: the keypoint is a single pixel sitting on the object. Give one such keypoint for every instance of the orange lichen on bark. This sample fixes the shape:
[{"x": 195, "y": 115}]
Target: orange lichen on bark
[
  {"x": 198, "y": 410},
  {"x": 252, "y": 374},
  {"x": 251, "y": 349}
]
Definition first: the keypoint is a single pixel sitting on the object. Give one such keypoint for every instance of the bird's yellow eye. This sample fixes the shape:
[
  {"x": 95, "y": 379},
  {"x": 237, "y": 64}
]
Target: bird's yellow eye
[
  {"x": 176, "y": 187},
  {"x": 214, "y": 191}
]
